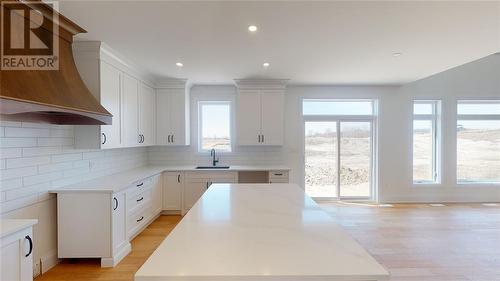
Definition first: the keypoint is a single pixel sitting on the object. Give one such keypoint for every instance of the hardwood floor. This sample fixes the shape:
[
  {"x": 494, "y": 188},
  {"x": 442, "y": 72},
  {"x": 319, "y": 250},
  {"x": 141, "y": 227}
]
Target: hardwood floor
[
  {"x": 423, "y": 243},
  {"x": 415, "y": 242}
]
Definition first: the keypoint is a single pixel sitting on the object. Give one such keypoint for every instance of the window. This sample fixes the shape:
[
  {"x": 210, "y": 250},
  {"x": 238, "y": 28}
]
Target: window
[
  {"x": 478, "y": 142},
  {"x": 214, "y": 125},
  {"x": 339, "y": 148},
  {"x": 337, "y": 107},
  {"x": 425, "y": 141}
]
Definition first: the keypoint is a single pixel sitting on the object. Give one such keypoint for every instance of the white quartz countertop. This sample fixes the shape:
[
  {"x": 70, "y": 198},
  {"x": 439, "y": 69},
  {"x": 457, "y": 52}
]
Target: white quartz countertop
[
  {"x": 9, "y": 226},
  {"x": 120, "y": 181},
  {"x": 259, "y": 232}
]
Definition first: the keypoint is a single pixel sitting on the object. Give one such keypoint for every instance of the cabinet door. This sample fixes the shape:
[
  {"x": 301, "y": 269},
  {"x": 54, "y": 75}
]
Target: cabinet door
[
  {"x": 272, "y": 103},
  {"x": 119, "y": 228},
  {"x": 194, "y": 189},
  {"x": 172, "y": 191},
  {"x": 162, "y": 117},
  {"x": 157, "y": 195},
  {"x": 130, "y": 111},
  {"x": 110, "y": 99},
  {"x": 15, "y": 265},
  {"x": 248, "y": 117},
  {"x": 178, "y": 117},
  {"x": 147, "y": 114}
]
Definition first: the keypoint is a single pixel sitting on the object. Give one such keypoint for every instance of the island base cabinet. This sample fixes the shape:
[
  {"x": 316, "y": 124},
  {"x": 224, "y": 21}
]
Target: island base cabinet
[{"x": 17, "y": 256}]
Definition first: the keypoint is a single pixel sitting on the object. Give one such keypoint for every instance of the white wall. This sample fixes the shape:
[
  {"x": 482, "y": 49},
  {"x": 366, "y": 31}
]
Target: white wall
[
  {"x": 37, "y": 157},
  {"x": 476, "y": 80},
  {"x": 479, "y": 79}
]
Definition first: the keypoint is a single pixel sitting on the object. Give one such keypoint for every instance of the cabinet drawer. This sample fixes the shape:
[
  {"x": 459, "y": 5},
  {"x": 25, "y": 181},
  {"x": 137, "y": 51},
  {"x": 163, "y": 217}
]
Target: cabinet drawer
[
  {"x": 137, "y": 220},
  {"x": 139, "y": 199},
  {"x": 139, "y": 187},
  {"x": 276, "y": 175}
]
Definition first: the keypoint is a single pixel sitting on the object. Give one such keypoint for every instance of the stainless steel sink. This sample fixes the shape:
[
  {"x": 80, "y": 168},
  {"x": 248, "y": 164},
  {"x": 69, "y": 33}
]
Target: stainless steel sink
[{"x": 212, "y": 167}]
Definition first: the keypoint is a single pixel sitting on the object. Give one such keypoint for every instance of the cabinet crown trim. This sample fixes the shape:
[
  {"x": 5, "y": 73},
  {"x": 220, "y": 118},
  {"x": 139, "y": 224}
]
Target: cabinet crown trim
[{"x": 261, "y": 83}]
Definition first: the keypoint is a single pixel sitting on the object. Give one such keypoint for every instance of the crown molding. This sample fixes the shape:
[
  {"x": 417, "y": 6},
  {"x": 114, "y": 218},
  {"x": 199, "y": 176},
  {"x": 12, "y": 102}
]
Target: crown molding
[{"x": 172, "y": 83}]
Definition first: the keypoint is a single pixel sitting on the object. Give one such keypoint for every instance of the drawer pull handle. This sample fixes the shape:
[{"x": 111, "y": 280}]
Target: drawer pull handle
[
  {"x": 280, "y": 174},
  {"x": 141, "y": 184},
  {"x": 140, "y": 219},
  {"x": 116, "y": 201},
  {"x": 179, "y": 178},
  {"x": 139, "y": 200},
  {"x": 31, "y": 245}
]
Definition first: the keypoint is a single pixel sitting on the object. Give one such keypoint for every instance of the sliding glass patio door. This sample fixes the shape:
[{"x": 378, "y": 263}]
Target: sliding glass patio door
[{"x": 338, "y": 158}]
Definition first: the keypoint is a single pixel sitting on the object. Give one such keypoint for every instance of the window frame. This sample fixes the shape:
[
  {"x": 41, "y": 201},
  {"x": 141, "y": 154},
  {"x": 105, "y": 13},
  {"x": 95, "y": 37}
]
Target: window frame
[
  {"x": 473, "y": 117},
  {"x": 200, "y": 124},
  {"x": 435, "y": 118}
]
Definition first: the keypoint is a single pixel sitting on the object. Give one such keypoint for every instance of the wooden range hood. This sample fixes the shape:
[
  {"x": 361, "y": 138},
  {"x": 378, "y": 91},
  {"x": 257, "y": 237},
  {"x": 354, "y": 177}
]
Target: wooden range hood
[{"x": 50, "y": 96}]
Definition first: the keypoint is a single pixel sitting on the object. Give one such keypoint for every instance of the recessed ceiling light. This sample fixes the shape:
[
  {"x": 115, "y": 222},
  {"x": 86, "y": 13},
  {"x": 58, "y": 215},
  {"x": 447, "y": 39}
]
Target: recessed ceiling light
[
  {"x": 252, "y": 28},
  {"x": 266, "y": 64},
  {"x": 179, "y": 64},
  {"x": 396, "y": 54}
]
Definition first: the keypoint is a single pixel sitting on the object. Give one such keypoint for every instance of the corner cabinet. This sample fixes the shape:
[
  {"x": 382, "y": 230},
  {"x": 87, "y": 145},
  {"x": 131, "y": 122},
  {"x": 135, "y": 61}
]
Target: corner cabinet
[
  {"x": 172, "y": 114},
  {"x": 122, "y": 92},
  {"x": 16, "y": 250},
  {"x": 260, "y": 112}
]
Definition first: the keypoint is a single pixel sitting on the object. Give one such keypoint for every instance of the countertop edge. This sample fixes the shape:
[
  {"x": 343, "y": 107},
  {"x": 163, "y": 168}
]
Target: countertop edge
[
  {"x": 19, "y": 225},
  {"x": 143, "y": 172}
]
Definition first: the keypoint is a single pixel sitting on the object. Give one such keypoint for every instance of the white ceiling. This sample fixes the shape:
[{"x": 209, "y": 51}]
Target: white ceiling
[{"x": 307, "y": 42}]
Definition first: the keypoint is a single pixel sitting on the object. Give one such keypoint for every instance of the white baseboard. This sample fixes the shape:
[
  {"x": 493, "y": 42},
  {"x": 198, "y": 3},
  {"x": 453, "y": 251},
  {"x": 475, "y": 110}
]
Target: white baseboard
[
  {"x": 49, "y": 261},
  {"x": 113, "y": 261}
]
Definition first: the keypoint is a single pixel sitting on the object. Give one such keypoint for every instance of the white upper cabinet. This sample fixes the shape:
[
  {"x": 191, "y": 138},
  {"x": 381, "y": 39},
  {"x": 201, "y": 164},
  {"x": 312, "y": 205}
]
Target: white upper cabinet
[
  {"x": 147, "y": 116},
  {"x": 172, "y": 114},
  {"x": 260, "y": 112},
  {"x": 248, "y": 121},
  {"x": 110, "y": 99},
  {"x": 122, "y": 91},
  {"x": 130, "y": 110},
  {"x": 272, "y": 104}
]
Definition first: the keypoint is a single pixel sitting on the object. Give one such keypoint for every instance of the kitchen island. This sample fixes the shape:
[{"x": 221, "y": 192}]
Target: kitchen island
[{"x": 259, "y": 232}]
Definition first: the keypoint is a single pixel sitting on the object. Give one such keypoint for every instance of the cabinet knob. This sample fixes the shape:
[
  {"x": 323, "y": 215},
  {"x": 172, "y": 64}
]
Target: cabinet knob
[{"x": 31, "y": 245}]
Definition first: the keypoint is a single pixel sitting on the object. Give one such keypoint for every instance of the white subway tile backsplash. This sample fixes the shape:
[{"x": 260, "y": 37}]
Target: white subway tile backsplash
[
  {"x": 18, "y": 172},
  {"x": 66, "y": 157},
  {"x": 26, "y": 132},
  {"x": 37, "y": 157},
  {"x": 36, "y": 151},
  {"x": 55, "y": 141},
  {"x": 10, "y": 124},
  {"x": 42, "y": 169},
  {"x": 42, "y": 178},
  {"x": 27, "y": 161},
  {"x": 10, "y": 152},
  {"x": 10, "y": 184},
  {"x": 17, "y": 142}
]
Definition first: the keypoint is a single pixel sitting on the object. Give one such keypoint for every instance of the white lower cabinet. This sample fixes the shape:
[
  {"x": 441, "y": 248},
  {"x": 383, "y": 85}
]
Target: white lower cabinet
[
  {"x": 16, "y": 254},
  {"x": 97, "y": 224},
  {"x": 172, "y": 191},
  {"x": 198, "y": 182}
]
